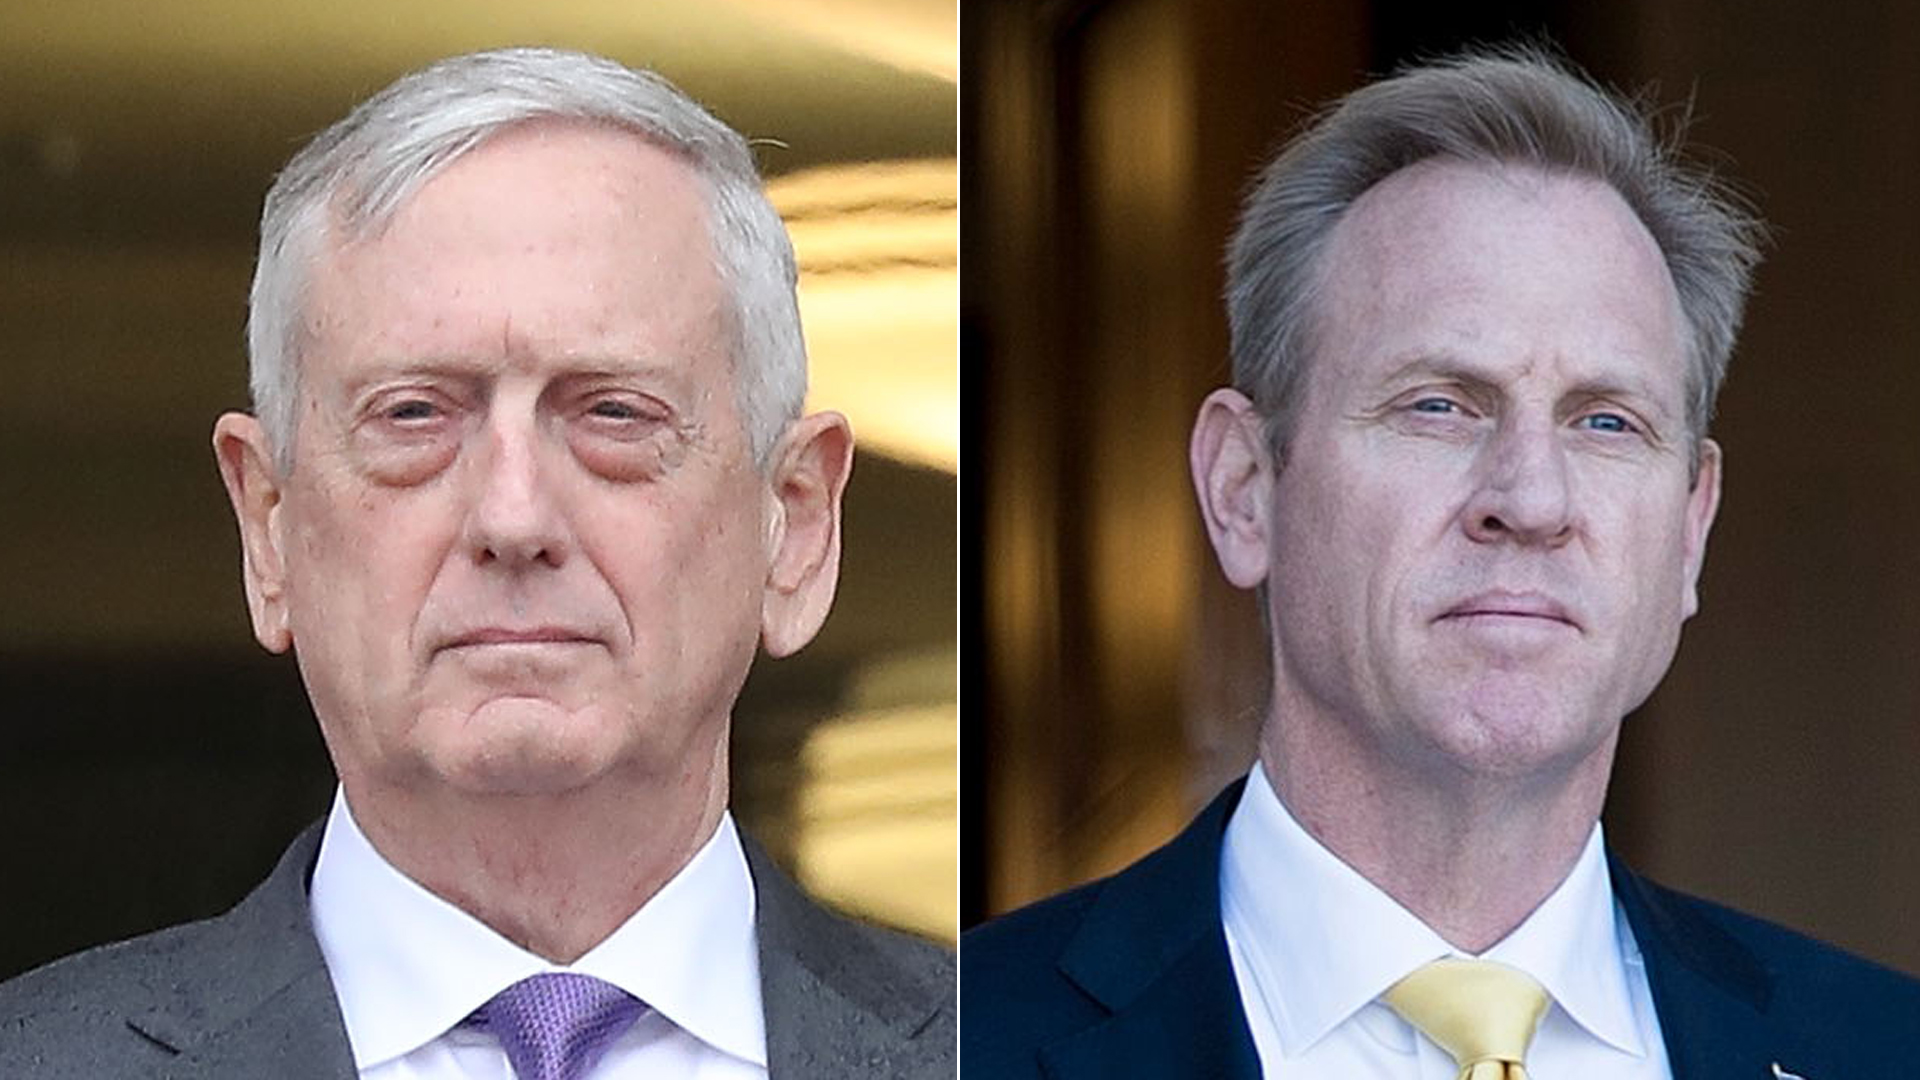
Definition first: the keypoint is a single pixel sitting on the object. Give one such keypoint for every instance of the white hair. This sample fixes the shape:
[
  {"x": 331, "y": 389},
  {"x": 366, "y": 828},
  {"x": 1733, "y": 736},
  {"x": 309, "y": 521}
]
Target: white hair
[{"x": 355, "y": 175}]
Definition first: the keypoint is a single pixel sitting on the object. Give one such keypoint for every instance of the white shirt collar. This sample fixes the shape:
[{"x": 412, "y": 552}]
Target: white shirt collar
[
  {"x": 1292, "y": 906},
  {"x": 407, "y": 965}
]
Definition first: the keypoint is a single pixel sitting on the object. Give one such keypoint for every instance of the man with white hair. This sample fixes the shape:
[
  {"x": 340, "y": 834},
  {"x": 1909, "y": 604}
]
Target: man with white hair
[{"x": 526, "y": 485}]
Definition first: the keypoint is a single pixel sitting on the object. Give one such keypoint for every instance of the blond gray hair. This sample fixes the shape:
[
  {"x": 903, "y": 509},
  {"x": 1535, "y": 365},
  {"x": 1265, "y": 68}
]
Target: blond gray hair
[{"x": 1514, "y": 106}]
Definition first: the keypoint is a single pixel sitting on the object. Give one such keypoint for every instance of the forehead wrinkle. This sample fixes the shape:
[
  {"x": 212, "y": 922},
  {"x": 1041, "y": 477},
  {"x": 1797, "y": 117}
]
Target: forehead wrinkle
[
  {"x": 481, "y": 368},
  {"x": 1445, "y": 364}
]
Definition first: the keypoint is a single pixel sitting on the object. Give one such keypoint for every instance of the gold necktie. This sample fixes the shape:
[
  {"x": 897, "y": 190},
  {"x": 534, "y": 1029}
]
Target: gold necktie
[{"x": 1481, "y": 1012}]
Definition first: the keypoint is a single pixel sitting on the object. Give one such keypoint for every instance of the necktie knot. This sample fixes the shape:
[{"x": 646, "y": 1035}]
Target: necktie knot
[
  {"x": 555, "y": 1026},
  {"x": 1482, "y": 1012}
]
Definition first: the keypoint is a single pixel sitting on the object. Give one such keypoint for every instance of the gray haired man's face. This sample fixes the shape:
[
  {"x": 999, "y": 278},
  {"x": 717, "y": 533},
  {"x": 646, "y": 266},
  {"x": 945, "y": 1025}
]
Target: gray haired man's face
[{"x": 523, "y": 545}]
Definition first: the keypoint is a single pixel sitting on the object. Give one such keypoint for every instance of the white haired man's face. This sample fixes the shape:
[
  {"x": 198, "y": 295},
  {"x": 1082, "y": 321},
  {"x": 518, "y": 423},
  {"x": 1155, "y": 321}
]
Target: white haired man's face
[{"x": 523, "y": 544}]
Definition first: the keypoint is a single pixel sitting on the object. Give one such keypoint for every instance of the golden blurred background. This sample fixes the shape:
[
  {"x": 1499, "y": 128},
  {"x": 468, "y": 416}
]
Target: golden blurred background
[{"x": 152, "y": 759}]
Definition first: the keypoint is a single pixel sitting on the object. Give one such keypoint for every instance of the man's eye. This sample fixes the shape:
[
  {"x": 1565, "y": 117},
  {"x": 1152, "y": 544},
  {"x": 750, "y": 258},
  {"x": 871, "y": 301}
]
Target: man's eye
[
  {"x": 615, "y": 410},
  {"x": 1610, "y": 423},
  {"x": 412, "y": 409},
  {"x": 1435, "y": 405},
  {"x": 625, "y": 415}
]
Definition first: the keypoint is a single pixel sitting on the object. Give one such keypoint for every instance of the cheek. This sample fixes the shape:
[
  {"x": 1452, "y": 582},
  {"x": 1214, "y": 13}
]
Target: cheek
[
  {"x": 365, "y": 562},
  {"x": 1657, "y": 573},
  {"x": 729, "y": 551},
  {"x": 660, "y": 554},
  {"x": 1362, "y": 532},
  {"x": 1647, "y": 526}
]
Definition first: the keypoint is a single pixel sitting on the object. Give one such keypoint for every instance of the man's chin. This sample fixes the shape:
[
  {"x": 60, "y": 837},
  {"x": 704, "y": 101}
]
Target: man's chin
[
  {"x": 527, "y": 746},
  {"x": 1515, "y": 731},
  {"x": 528, "y": 775}
]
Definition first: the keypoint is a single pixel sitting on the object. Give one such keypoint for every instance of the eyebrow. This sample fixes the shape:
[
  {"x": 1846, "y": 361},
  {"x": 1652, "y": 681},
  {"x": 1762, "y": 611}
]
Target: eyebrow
[
  {"x": 1479, "y": 379},
  {"x": 460, "y": 366},
  {"x": 1442, "y": 365}
]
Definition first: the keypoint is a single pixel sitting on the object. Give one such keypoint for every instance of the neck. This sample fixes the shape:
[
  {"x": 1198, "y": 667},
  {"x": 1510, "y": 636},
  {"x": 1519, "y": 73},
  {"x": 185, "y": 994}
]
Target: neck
[
  {"x": 1471, "y": 854},
  {"x": 553, "y": 873}
]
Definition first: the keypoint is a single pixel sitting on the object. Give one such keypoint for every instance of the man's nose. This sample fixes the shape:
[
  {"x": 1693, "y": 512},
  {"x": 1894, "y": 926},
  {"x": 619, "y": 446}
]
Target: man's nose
[
  {"x": 514, "y": 518},
  {"x": 1522, "y": 490}
]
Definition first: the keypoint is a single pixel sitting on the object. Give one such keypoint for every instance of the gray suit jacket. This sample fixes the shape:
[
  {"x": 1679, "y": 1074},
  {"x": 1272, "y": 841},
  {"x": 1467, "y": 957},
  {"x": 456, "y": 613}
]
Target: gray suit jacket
[{"x": 246, "y": 996}]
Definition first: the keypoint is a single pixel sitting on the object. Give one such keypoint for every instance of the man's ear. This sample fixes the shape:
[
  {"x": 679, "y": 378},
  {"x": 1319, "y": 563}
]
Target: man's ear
[
  {"x": 808, "y": 476},
  {"x": 1233, "y": 478},
  {"x": 253, "y": 487},
  {"x": 1703, "y": 502}
]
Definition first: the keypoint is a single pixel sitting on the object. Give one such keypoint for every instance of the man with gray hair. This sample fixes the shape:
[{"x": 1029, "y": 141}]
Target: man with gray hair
[
  {"x": 1479, "y": 317},
  {"x": 526, "y": 485}
]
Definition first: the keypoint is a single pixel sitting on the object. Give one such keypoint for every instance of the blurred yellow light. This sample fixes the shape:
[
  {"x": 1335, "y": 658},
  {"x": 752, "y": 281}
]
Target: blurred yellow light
[
  {"x": 879, "y": 816},
  {"x": 915, "y": 35},
  {"x": 878, "y": 247}
]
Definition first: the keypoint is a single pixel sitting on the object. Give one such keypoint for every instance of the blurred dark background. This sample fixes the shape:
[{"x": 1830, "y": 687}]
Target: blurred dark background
[
  {"x": 153, "y": 760},
  {"x": 1105, "y": 145}
]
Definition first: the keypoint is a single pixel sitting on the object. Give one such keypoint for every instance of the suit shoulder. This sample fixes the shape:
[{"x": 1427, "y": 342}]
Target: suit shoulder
[
  {"x": 837, "y": 946},
  {"x": 69, "y": 1017},
  {"x": 116, "y": 974},
  {"x": 112, "y": 1011},
  {"x": 846, "y": 998},
  {"x": 1823, "y": 1010},
  {"x": 1056, "y": 968},
  {"x": 1028, "y": 938},
  {"x": 1808, "y": 973},
  {"x": 913, "y": 965},
  {"x": 888, "y": 972},
  {"x": 1013, "y": 993}
]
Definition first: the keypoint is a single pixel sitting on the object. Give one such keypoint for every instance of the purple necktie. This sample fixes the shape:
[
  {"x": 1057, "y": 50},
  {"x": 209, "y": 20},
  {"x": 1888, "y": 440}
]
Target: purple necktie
[{"x": 555, "y": 1026}]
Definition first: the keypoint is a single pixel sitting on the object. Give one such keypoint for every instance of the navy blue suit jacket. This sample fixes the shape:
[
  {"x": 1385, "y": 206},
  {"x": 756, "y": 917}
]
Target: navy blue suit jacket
[{"x": 1129, "y": 976}]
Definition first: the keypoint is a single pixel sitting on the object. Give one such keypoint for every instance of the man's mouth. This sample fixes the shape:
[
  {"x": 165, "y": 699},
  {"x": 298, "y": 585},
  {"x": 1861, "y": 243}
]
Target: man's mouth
[
  {"x": 1508, "y": 605},
  {"x": 530, "y": 635}
]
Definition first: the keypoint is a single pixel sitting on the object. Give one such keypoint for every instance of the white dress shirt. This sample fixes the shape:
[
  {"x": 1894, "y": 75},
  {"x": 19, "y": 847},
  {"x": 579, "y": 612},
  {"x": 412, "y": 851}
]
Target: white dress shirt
[
  {"x": 1314, "y": 944},
  {"x": 407, "y": 967}
]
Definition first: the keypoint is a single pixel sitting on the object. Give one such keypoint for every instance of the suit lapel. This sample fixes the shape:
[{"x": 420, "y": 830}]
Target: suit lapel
[
  {"x": 258, "y": 1002},
  {"x": 1151, "y": 950},
  {"x": 1189, "y": 1023},
  {"x": 289, "y": 1035},
  {"x": 831, "y": 1005},
  {"x": 1710, "y": 992}
]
